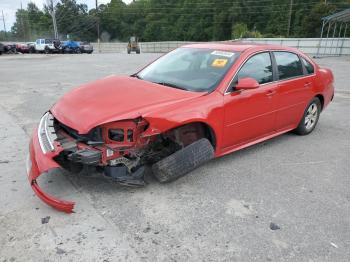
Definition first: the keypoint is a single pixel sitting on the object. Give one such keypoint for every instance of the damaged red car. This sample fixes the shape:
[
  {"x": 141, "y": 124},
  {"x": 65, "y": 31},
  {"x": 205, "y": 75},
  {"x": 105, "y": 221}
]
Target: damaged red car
[{"x": 195, "y": 103}]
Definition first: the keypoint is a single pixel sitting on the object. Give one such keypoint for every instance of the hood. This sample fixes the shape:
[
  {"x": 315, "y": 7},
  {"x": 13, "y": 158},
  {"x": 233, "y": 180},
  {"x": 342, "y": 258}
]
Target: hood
[{"x": 115, "y": 98}]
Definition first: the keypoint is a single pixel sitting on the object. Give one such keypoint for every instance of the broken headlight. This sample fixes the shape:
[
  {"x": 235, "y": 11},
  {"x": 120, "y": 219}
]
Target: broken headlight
[{"x": 116, "y": 134}]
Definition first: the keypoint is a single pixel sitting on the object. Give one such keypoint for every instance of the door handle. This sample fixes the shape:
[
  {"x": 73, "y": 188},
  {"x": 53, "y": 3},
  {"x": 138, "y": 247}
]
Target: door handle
[{"x": 270, "y": 92}]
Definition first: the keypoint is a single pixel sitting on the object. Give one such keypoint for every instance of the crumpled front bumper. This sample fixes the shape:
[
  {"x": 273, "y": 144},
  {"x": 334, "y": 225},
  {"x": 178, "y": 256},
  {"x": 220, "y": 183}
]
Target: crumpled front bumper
[{"x": 39, "y": 163}]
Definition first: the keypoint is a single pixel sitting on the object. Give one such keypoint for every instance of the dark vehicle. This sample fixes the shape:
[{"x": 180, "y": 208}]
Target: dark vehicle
[
  {"x": 71, "y": 47},
  {"x": 1, "y": 48},
  {"x": 31, "y": 47},
  {"x": 10, "y": 49},
  {"x": 133, "y": 45},
  {"x": 22, "y": 48},
  {"x": 86, "y": 47}
]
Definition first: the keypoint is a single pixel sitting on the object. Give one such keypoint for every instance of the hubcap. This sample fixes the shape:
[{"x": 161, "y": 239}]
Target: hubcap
[{"x": 311, "y": 116}]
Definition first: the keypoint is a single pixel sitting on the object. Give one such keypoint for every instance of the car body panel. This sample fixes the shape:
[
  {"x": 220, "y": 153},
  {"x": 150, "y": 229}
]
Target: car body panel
[
  {"x": 236, "y": 119},
  {"x": 116, "y": 98},
  {"x": 249, "y": 114},
  {"x": 39, "y": 164}
]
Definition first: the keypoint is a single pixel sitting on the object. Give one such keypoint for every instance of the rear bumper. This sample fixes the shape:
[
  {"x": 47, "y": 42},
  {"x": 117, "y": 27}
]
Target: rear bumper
[{"x": 39, "y": 163}]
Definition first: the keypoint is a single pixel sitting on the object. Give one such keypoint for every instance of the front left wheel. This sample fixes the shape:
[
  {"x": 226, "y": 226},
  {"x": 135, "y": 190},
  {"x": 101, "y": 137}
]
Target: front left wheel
[
  {"x": 183, "y": 161},
  {"x": 310, "y": 117}
]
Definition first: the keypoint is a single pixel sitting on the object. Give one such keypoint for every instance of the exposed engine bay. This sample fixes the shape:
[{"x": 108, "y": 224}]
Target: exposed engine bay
[{"x": 120, "y": 150}]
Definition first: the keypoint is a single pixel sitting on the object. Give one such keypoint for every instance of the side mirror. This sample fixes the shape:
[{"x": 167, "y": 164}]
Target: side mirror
[{"x": 247, "y": 83}]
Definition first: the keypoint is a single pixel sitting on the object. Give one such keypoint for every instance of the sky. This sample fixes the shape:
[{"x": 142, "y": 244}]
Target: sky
[{"x": 9, "y": 8}]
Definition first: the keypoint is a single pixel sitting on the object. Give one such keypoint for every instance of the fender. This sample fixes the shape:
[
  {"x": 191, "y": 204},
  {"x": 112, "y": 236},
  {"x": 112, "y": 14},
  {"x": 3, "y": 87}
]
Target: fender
[{"x": 211, "y": 116}]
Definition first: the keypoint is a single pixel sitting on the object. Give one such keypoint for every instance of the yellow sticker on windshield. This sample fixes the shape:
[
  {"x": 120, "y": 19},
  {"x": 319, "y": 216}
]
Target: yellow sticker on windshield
[{"x": 219, "y": 62}]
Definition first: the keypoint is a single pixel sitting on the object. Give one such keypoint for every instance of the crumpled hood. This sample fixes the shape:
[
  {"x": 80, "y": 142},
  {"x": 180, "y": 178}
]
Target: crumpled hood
[{"x": 115, "y": 98}]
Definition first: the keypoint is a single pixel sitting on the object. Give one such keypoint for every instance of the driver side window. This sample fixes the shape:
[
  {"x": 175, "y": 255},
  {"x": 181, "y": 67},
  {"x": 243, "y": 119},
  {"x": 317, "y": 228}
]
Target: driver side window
[{"x": 258, "y": 67}]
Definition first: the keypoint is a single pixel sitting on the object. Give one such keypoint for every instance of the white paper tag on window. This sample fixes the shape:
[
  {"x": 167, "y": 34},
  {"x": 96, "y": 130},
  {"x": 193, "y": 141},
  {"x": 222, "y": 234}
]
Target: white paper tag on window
[{"x": 222, "y": 53}]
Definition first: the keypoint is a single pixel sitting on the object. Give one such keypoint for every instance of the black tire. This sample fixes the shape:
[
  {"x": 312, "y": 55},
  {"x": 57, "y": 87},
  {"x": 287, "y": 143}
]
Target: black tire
[
  {"x": 309, "y": 120},
  {"x": 183, "y": 161},
  {"x": 138, "y": 51},
  {"x": 47, "y": 50}
]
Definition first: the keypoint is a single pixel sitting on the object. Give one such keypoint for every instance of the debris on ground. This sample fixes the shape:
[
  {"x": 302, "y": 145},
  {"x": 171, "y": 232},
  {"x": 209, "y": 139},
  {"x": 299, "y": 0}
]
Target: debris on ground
[
  {"x": 45, "y": 220},
  {"x": 274, "y": 226},
  {"x": 146, "y": 230},
  {"x": 60, "y": 251},
  {"x": 334, "y": 245}
]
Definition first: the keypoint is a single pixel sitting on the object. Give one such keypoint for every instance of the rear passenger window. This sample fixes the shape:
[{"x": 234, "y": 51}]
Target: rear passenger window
[
  {"x": 258, "y": 67},
  {"x": 309, "y": 67},
  {"x": 288, "y": 65}
]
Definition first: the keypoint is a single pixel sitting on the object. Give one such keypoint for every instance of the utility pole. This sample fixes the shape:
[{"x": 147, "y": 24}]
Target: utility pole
[
  {"x": 23, "y": 29},
  {"x": 3, "y": 20},
  {"x": 290, "y": 16},
  {"x": 53, "y": 15},
  {"x": 98, "y": 28}
]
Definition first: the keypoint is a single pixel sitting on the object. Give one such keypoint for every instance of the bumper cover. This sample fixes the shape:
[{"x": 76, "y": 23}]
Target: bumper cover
[{"x": 40, "y": 163}]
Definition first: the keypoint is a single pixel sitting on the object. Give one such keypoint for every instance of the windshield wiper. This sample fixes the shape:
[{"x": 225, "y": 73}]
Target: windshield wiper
[{"x": 171, "y": 85}]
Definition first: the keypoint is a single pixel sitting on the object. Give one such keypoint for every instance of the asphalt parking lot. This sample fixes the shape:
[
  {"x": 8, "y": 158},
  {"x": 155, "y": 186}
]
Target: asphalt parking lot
[{"x": 220, "y": 212}]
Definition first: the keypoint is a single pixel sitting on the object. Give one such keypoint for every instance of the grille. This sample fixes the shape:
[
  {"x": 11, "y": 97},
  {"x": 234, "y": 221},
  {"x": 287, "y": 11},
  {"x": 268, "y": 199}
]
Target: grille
[{"x": 46, "y": 133}]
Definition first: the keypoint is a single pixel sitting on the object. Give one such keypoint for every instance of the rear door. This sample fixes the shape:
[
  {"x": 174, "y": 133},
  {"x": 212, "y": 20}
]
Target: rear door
[{"x": 293, "y": 91}]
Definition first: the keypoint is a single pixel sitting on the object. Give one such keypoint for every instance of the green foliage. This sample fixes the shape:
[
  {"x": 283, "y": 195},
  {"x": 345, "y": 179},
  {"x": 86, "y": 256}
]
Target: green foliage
[
  {"x": 311, "y": 24},
  {"x": 164, "y": 20},
  {"x": 239, "y": 30}
]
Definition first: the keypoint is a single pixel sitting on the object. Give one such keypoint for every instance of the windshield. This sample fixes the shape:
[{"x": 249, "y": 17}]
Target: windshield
[{"x": 192, "y": 69}]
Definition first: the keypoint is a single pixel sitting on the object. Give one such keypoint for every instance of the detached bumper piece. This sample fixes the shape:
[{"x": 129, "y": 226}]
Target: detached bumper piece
[
  {"x": 61, "y": 205},
  {"x": 39, "y": 163}
]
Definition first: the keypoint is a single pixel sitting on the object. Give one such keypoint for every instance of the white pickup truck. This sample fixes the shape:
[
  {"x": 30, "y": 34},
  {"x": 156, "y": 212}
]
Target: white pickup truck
[{"x": 47, "y": 46}]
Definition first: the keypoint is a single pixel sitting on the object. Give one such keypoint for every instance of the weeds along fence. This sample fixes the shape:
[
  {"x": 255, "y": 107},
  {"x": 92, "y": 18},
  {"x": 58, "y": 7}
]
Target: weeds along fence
[{"x": 311, "y": 46}]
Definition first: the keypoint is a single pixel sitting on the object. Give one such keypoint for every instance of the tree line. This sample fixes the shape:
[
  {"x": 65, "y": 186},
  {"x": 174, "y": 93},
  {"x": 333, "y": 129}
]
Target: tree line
[{"x": 180, "y": 20}]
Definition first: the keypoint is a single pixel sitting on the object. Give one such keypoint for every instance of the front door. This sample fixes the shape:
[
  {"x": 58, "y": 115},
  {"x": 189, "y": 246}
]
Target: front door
[{"x": 250, "y": 114}]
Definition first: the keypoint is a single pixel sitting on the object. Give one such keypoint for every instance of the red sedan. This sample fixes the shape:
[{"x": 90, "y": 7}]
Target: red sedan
[{"x": 197, "y": 102}]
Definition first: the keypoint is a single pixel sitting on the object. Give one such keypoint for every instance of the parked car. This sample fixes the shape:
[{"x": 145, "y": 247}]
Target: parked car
[
  {"x": 86, "y": 47},
  {"x": 1, "y": 48},
  {"x": 31, "y": 47},
  {"x": 10, "y": 49},
  {"x": 133, "y": 45},
  {"x": 71, "y": 47},
  {"x": 48, "y": 46},
  {"x": 193, "y": 104},
  {"x": 22, "y": 48}
]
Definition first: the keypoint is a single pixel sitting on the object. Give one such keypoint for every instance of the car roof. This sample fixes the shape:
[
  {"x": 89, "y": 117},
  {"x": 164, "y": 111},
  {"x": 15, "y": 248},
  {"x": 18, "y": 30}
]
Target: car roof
[{"x": 237, "y": 46}]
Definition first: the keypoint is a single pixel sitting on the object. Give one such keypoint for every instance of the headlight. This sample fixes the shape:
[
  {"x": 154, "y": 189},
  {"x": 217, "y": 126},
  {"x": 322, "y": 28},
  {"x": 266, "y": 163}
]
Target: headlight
[
  {"x": 116, "y": 134},
  {"x": 125, "y": 131}
]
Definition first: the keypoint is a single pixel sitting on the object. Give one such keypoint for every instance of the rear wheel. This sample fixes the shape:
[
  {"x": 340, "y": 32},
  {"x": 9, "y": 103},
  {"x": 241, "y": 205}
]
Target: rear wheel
[{"x": 310, "y": 117}]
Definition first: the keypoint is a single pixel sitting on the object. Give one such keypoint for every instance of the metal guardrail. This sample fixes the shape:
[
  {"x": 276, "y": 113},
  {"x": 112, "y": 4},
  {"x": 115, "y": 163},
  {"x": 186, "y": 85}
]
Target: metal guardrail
[{"x": 311, "y": 46}]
